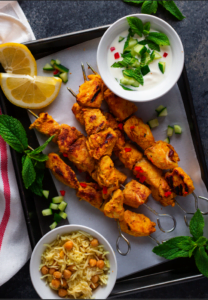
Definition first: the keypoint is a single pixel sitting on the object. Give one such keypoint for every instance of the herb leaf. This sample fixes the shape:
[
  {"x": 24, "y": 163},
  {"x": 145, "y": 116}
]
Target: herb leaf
[
  {"x": 134, "y": 1},
  {"x": 143, "y": 42},
  {"x": 149, "y": 7},
  {"x": 42, "y": 147},
  {"x": 173, "y": 9},
  {"x": 187, "y": 244},
  {"x": 126, "y": 62},
  {"x": 201, "y": 260},
  {"x": 28, "y": 172},
  {"x": 147, "y": 26},
  {"x": 136, "y": 74},
  {"x": 197, "y": 225},
  {"x": 201, "y": 241},
  {"x": 153, "y": 46},
  {"x": 158, "y": 38},
  {"x": 39, "y": 157},
  {"x": 136, "y": 25},
  {"x": 170, "y": 249},
  {"x": 12, "y": 131},
  {"x": 36, "y": 186}
]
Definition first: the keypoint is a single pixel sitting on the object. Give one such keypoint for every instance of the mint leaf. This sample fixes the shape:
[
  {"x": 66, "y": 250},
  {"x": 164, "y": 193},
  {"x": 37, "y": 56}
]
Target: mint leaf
[
  {"x": 134, "y": 1},
  {"x": 36, "y": 187},
  {"x": 39, "y": 157},
  {"x": 126, "y": 62},
  {"x": 170, "y": 249},
  {"x": 201, "y": 241},
  {"x": 136, "y": 74},
  {"x": 154, "y": 46},
  {"x": 136, "y": 25},
  {"x": 197, "y": 225},
  {"x": 126, "y": 54},
  {"x": 145, "y": 32},
  {"x": 42, "y": 147},
  {"x": 187, "y": 244},
  {"x": 173, "y": 9},
  {"x": 158, "y": 38},
  {"x": 12, "y": 131},
  {"x": 125, "y": 88},
  {"x": 149, "y": 7},
  {"x": 192, "y": 251},
  {"x": 28, "y": 172},
  {"x": 143, "y": 42},
  {"x": 201, "y": 260},
  {"x": 147, "y": 26}
]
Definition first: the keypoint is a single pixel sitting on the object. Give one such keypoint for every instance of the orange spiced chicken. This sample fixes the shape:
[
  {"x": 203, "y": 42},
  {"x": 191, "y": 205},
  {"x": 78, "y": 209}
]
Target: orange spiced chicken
[
  {"x": 67, "y": 136},
  {"x": 114, "y": 208},
  {"x": 129, "y": 155},
  {"x": 91, "y": 193},
  {"x": 163, "y": 193},
  {"x": 135, "y": 194},
  {"x": 78, "y": 112},
  {"x": 94, "y": 120}
]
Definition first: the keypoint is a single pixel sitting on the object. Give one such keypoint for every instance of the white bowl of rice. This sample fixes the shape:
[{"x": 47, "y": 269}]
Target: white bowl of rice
[{"x": 73, "y": 261}]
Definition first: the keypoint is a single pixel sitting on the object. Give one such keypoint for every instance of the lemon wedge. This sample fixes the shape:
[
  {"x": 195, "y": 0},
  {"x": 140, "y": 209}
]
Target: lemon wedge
[
  {"x": 30, "y": 92},
  {"x": 17, "y": 59}
]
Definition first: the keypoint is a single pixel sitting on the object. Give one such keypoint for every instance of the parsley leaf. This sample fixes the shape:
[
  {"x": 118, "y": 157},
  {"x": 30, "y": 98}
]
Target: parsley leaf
[
  {"x": 42, "y": 147},
  {"x": 197, "y": 225},
  {"x": 153, "y": 46},
  {"x": 12, "y": 131},
  {"x": 149, "y": 7},
  {"x": 158, "y": 38},
  {"x": 201, "y": 260},
  {"x": 28, "y": 172},
  {"x": 136, "y": 74},
  {"x": 147, "y": 26},
  {"x": 136, "y": 25},
  {"x": 173, "y": 9}
]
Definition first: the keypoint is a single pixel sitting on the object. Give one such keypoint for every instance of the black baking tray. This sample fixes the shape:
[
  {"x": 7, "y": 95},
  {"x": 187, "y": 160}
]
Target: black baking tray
[{"x": 167, "y": 273}]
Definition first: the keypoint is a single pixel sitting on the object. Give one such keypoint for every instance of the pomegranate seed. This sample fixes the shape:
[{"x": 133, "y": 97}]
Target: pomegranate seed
[
  {"x": 127, "y": 149},
  {"x": 120, "y": 126},
  {"x": 84, "y": 185},
  {"x": 132, "y": 127},
  {"x": 117, "y": 55},
  {"x": 65, "y": 154},
  {"x": 112, "y": 49},
  {"x": 105, "y": 190},
  {"x": 55, "y": 72},
  {"x": 167, "y": 194},
  {"x": 165, "y": 54},
  {"x": 62, "y": 193}
]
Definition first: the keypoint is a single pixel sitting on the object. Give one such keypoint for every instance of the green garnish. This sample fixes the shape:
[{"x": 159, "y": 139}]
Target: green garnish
[
  {"x": 147, "y": 26},
  {"x": 126, "y": 62},
  {"x": 153, "y": 46},
  {"x": 121, "y": 38},
  {"x": 186, "y": 246},
  {"x": 158, "y": 38},
  {"x": 136, "y": 74},
  {"x": 149, "y": 7},
  {"x": 125, "y": 88},
  {"x": 136, "y": 25}
]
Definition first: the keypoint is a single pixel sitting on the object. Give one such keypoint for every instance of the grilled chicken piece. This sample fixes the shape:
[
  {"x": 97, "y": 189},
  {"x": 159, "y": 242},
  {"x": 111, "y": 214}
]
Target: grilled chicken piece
[
  {"x": 78, "y": 112},
  {"x": 102, "y": 143},
  {"x": 180, "y": 182},
  {"x": 62, "y": 171},
  {"x": 135, "y": 194},
  {"x": 114, "y": 208},
  {"x": 94, "y": 120},
  {"x": 120, "y": 176},
  {"x": 139, "y": 132},
  {"x": 67, "y": 136},
  {"x": 120, "y": 179},
  {"x": 91, "y": 92},
  {"x": 163, "y": 193},
  {"x": 146, "y": 172},
  {"x": 120, "y": 140},
  {"x": 162, "y": 155},
  {"x": 111, "y": 121},
  {"x": 91, "y": 193},
  {"x": 137, "y": 224},
  {"x": 129, "y": 155},
  {"x": 120, "y": 108},
  {"x": 46, "y": 125},
  {"x": 79, "y": 155}
]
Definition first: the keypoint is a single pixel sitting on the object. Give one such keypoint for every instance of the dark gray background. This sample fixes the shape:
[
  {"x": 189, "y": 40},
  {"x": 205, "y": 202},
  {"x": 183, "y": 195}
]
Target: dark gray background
[{"x": 49, "y": 18}]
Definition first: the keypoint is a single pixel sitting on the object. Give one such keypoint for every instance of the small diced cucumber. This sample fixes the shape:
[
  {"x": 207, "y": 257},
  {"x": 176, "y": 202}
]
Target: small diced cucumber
[
  {"x": 153, "y": 123},
  {"x": 129, "y": 81},
  {"x": 121, "y": 38},
  {"x": 145, "y": 70},
  {"x": 177, "y": 129},
  {"x": 57, "y": 218},
  {"x": 156, "y": 54},
  {"x": 57, "y": 199},
  {"x": 63, "y": 215},
  {"x": 54, "y": 206},
  {"x": 161, "y": 66},
  {"x": 64, "y": 77},
  {"x": 170, "y": 131},
  {"x": 163, "y": 112},
  {"x": 58, "y": 62},
  {"x": 45, "y": 193},
  {"x": 53, "y": 226},
  {"x": 159, "y": 109},
  {"x": 167, "y": 140},
  {"x": 47, "y": 212},
  {"x": 52, "y": 61},
  {"x": 62, "y": 206},
  {"x": 139, "y": 49},
  {"x": 132, "y": 43},
  {"x": 61, "y": 68},
  {"x": 48, "y": 67}
]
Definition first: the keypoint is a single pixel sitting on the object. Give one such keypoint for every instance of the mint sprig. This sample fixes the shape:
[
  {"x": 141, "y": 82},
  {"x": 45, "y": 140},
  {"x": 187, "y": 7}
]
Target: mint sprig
[
  {"x": 136, "y": 74},
  {"x": 186, "y": 246},
  {"x": 173, "y": 9},
  {"x": 136, "y": 25},
  {"x": 149, "y": 7},
  {"x": 158, "y": 38}
]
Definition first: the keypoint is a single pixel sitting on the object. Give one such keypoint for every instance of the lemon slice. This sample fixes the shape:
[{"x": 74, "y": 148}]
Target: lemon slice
[
  {"x": 30, "y": 92},
  {"x": 17, "y": 59}
]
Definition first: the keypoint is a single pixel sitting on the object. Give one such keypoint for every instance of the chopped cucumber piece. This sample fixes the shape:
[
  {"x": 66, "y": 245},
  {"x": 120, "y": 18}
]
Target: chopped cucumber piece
[
  {"x": 57, "y": 75},
  {"x": 45, "y": 193},
  {"x": 52, "y": 226},
  {"x": 63, "y": 215},
  {"x": 61, "y": 68},
  {"x": 57, "y": 199},
  {"x": 64, "y": 77},
  {"x": 129, "y": 81},
  {"x": 47, "y": 212},
  {"x": 145, "y": 70},
  {"x": 159, "y": 109},
  {"x": 58, "y": 62},
  {"x": 167, "y": 140},
  {"x": 57, "y": 218},
  {"x": 54, "y": 206},
  {"x": 52, "y": 61},
  {"x": 153, "y": 123},
  {"x": 132, "y": 43},
  {"x": 163, "y": 112},
  {"x": 156, "y": 54},
  {"x": 161, "y": 66},
  {"x": 177, "y": 129},
  {"x": 139, "y": 49},
  {"x": 62, "y": 206},
  {"x": 121, "y": 38},
  {"x": 48, "y": 67},
  {"x": 170, "y": 131},
  {"x": 125, "y": 88}
]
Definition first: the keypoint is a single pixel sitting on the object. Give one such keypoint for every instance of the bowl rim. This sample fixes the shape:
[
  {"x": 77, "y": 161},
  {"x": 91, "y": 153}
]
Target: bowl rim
[
  {"x": 180, "y": 69},
  {"x": 70, "y": 228}
]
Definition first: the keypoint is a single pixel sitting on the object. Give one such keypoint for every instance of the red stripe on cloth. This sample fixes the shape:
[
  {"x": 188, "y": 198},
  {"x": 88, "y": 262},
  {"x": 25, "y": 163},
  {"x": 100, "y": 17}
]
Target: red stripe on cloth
[{"x": 6, "y": 188}]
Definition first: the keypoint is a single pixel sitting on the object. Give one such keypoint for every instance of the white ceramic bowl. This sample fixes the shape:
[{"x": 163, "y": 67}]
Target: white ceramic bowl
[
  {"x": 164, "y": 86},
  {"x": 45, "y": 292}
]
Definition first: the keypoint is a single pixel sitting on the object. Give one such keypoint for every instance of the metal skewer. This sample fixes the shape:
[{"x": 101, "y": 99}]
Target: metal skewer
[
  {"x": 91, "y": 68},
  {"x": 83, "y": 72},
  {"x": 121, "y": 236}
]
